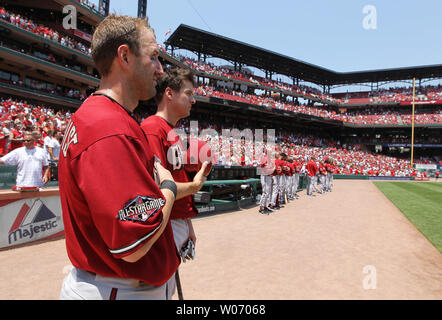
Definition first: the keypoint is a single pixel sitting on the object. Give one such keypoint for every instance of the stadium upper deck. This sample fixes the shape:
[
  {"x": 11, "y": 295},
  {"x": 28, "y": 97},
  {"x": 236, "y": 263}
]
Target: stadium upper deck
[
  {"x": 41, "y": 60},
  {"x": 45, "y": 64},
  {"x": 206, "y": 43}
]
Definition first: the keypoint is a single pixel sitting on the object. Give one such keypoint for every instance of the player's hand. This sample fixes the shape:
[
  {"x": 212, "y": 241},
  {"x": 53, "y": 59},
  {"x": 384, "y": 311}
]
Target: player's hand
[
  {"x": 192, "y": 234},
  {"x": 163, "y": 173},
  {"x": 200, "y": 178}
]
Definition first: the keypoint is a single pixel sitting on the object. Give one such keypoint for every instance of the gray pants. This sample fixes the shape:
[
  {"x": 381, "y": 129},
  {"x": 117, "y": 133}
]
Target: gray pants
[
  {"x": 322, "y": 181},
  {"x": 295, "y": 183},
  {"x": 284, "y": 181},
  {"x": 83, "y": 285},
  {"x": 266, "y": 184},
  {"x": 289, "y": 189},
  {"x": 276, "y": 189},
  {"x": 311, "y": 182},
  {"x": 329, "y": 181}
]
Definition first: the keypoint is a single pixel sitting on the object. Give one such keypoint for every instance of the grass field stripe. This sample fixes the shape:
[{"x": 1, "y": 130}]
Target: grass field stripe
[
  {"x": 420, "y": 190},
  {"x": 420, "y": 203}
]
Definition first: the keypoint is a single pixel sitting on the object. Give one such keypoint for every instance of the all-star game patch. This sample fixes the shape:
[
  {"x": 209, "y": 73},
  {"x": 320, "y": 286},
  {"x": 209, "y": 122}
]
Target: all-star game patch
[{"x": 140, "y": 209}]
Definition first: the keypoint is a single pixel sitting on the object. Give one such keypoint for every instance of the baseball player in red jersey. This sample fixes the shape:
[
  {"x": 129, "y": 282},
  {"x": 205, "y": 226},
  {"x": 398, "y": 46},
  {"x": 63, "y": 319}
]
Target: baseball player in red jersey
[
  {"x": 174, "y": 100},
  {"x": 312, "y": 170},
  {"x": 322, "y": 177},
  {"x": 116, "y": 218},
  {"x": 283, "y": 181},
  {"x": 297, "y": 165},
  {"x": 289, "y": 178},
  {"x": 330, "y": 169}
]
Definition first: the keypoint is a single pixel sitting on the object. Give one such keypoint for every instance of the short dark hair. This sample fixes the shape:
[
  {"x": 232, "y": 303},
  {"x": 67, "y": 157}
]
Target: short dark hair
[{"x": 173, "y": 78}]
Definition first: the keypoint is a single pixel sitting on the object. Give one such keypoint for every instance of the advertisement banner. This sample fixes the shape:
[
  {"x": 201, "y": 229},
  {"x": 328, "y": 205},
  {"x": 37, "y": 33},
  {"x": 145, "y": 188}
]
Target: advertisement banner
[
  {"x": 83, "y": 35},
  {"x": 409, "y": 103},
  {"x": 416, "y": 145},
  {"x": 388, "y": 178},
  {"x": 425, "y": 166},
  {"x": 28, "y": 220}
]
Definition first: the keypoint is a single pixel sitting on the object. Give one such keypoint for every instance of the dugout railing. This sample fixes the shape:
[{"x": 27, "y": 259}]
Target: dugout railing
[{"x": 230, "y": 187}]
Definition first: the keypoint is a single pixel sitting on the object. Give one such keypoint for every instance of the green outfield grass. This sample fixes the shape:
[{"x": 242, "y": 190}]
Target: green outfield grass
[{"x": 421, "y": 203}]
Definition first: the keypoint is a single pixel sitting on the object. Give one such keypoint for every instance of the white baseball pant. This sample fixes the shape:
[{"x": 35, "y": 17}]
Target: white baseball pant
[
  {"x": 310, "y": 184},
  {"x": 84, "y": 285},
  {"x": 275, "y": 189},
  {"x": 295, "y": 183},
  {"x": 266, "y": 184}
]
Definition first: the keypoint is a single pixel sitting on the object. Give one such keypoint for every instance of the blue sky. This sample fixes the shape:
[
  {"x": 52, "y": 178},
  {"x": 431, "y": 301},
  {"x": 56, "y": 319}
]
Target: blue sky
[{"x": 322, "y": 32}]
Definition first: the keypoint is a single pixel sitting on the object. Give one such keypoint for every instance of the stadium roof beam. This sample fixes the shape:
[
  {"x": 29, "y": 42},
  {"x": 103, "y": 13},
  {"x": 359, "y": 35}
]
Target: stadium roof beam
[
  {"x": 106, "y": 6},
  {"x": 36, "y": 63},
  {"x": 204, "y": 42},
  {"x": 56, "y": 47},
  {"x": 142, "y": 9}
]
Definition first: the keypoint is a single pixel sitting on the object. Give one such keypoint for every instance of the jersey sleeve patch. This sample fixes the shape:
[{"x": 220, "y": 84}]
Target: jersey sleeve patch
[{"x": 140, "y": 209}]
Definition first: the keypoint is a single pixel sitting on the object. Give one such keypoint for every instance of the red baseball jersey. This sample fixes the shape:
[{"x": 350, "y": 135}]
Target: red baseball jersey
[
  {"x": 266, "y": 166},
  {"x": 287, "y": 168},
  {"x": 329, "y": 167},
  {"x": 311, "y": 167},
  {"x": 298, "y": 166},
  {"x": 14, "y": 144},
  {"x": 278, "y": 168},
  {"x": 168, "y": 147},
  {"x": 110, "y": 201}
]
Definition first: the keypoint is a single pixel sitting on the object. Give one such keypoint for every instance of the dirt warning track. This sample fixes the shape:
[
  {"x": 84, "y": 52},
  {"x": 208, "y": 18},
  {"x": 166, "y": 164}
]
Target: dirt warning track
[{"x": 352, "y": 243}]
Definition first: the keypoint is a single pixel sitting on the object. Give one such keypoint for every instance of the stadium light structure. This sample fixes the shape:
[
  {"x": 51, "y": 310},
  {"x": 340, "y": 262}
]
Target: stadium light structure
[
  {"x": 412, "y": 122},
  {"x": 142, "y": 9},
  {"x": 106, "y": 5}
]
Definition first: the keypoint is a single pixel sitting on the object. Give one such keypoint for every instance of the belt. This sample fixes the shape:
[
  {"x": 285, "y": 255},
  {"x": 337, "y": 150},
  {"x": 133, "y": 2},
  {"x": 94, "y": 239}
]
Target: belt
[{"x": 133, "y": 282}]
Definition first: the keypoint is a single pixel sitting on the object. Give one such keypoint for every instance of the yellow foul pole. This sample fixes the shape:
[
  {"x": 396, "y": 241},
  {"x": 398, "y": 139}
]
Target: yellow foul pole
[{"x": 412, "y": 124}]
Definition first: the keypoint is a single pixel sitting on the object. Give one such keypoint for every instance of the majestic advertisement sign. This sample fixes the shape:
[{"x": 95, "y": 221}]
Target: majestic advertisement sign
[{"x": 28, "y": 220}]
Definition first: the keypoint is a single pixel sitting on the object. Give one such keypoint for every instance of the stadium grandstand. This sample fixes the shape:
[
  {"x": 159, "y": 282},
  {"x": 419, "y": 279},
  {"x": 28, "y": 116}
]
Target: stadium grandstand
[
  {"x": 289, "y": 90},
  {"x": 47, "y": 71}
]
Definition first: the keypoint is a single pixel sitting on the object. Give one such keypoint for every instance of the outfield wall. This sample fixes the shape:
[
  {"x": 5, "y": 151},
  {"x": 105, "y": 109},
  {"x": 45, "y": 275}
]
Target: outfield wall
[{"x": 361, "y": 177}]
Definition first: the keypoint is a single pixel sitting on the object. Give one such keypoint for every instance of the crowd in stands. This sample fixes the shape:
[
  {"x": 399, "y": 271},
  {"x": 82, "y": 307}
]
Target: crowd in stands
[
  {"x": 379, "y": 117},
  {"x": 44, "y": 55},
  {"x": 42, "y": 30},
  {"x": 229, "y": 73},
  {"x": 426, "y": 93},
  {"x": 41, "y": 86},
  {"x": 18, "y": 117},
  {"x": 391, "y": 95},
  {"x": 93, "y": 7},
  {"x": 351, "y": 158},
  {"x": 379, "y": 96}
]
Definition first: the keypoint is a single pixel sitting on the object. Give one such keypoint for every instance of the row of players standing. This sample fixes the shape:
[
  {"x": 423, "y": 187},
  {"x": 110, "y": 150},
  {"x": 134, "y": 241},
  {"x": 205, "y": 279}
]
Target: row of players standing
[{"x": 280, "y": 179}]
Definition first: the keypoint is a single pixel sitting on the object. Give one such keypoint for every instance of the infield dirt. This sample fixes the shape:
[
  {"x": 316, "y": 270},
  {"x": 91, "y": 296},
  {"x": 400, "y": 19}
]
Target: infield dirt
[{"x": 352, "y": 243}]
